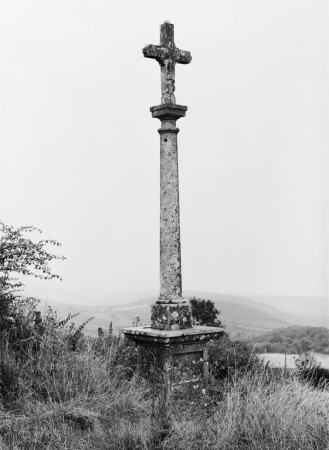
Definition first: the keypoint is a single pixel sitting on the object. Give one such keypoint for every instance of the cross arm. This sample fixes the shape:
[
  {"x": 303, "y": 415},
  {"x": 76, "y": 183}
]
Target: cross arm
[
  {"x": 183, "y": 57},
  {"x": 155, "y": 52},
  {"x": 161, "y": 54}
]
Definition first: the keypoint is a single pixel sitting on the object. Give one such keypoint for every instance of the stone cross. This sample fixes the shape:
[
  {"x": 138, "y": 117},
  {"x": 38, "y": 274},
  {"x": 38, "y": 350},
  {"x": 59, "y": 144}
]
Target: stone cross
[
  {"x": 170, "y": 312},
  {"x": 172, "y": 338},
  {"x": 167, "y": 55}
]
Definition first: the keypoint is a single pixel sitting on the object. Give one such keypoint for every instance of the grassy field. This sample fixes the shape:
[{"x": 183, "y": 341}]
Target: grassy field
[{"x": 60, "y": 390}]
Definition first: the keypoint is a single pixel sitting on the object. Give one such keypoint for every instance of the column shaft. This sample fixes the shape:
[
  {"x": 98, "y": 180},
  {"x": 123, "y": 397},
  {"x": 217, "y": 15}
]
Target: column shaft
[{"x": 170, "y": 251}]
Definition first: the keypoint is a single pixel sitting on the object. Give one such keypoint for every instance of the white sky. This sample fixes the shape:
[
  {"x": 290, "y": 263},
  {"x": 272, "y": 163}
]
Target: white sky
[{"x": 80, "y": 151}]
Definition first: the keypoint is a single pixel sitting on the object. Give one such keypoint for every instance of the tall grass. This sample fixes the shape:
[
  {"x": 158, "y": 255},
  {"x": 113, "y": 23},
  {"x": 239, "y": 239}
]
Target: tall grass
[
  {"x": 257, "y": 411},
  {"x": 100, "y": 396}
]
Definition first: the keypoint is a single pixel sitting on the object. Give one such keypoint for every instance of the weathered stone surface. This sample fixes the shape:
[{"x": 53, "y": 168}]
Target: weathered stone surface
[
  {"x": 168, "y": 112},
  {"x": 172, "y": 339},
  {"x": 167, "y": 55},
  {"x": 170, "y": 249},
  {"x": 188, "y": 336},
  {"x": 171, "y": 316},
  {"x": 185, "y": 350}
]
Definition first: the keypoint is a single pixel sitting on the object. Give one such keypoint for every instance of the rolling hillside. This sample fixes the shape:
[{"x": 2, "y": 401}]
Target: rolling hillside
[
  {"x": 315, "y": 308},
  {"x": 270, "y": 306},
  {"x": 240, "y": 315}
]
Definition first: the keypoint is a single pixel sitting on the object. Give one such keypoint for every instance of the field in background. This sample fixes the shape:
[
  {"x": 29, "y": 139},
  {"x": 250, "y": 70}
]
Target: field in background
[{"x": 278, "y": 359}]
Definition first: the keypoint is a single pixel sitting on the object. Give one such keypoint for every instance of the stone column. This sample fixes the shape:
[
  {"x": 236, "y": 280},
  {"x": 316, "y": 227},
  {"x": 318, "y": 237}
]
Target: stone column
[
  {"x": 170, "y": 251},
  {"x": 171, "y": 311}
]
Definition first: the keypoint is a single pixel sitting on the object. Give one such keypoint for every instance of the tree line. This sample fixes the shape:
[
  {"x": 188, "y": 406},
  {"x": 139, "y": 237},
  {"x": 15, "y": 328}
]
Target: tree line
[{"x": 295, "y": 339}]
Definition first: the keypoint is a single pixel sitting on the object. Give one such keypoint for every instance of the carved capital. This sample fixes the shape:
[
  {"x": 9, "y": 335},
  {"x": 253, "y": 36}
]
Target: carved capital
[{"x": 168, "y": 111}]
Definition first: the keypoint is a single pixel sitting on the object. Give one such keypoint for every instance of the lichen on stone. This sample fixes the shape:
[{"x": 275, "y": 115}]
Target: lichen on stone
[{"x": 171, "y": 316}]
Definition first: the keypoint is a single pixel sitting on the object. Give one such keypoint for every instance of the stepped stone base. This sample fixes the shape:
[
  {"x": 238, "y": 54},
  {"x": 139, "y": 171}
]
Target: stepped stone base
[{"x": 171, "y": 316}]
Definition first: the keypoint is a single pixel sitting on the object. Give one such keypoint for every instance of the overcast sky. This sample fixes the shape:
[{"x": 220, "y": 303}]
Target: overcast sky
[{"x": 80, "y": 151}]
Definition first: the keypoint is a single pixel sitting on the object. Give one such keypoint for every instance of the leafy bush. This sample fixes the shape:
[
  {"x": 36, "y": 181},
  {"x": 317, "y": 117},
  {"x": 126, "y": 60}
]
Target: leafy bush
[
  {"x": 20, "y": 255},
  {"x": 204, "y": 312},
  {"x": 309, "y": 370},
  {"x": 318, "y": 376}
]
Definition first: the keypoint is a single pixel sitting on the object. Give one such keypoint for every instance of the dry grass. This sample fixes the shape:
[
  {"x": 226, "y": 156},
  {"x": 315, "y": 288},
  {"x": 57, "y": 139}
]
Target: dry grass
[
  {"x": 97, "y": 398},
  {"x": 259, "y": 413}
]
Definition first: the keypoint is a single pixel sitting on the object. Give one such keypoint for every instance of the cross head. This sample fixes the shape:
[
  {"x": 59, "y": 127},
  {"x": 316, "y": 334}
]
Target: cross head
[{"x": 167, "y": 55}]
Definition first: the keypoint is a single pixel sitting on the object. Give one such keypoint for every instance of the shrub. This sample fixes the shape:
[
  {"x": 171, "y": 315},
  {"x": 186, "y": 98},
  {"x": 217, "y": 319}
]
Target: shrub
[
  {"x": 204, "y": 312},
  {"x": 20, "y": 255},
  {"x": 309, "y": 370},
  {"x": 227, "y": 358}
]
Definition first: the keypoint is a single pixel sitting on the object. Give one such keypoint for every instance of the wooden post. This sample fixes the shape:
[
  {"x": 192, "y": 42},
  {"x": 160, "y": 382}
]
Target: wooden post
[{"x": 38, "y": 318}]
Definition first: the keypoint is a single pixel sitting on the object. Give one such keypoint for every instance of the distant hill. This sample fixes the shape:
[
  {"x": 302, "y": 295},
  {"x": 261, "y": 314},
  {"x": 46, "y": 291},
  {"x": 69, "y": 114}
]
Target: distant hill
[
  {"x": 270, "y": 307},
  {"x": 315, "y": 308},
  {"x": 294, "y": 339},
  {"x": 237, "y": 317},
  {"x": 240, "y": 315}
]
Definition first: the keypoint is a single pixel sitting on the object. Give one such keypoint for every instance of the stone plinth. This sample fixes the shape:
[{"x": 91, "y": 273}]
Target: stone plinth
[
  {"x": 171, "y": 316},
  {"x": 185, "y": 347}
]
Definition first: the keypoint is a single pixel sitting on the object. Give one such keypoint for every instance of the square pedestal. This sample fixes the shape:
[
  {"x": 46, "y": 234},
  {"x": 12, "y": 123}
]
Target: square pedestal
[{"x": 184, "y": 348}]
